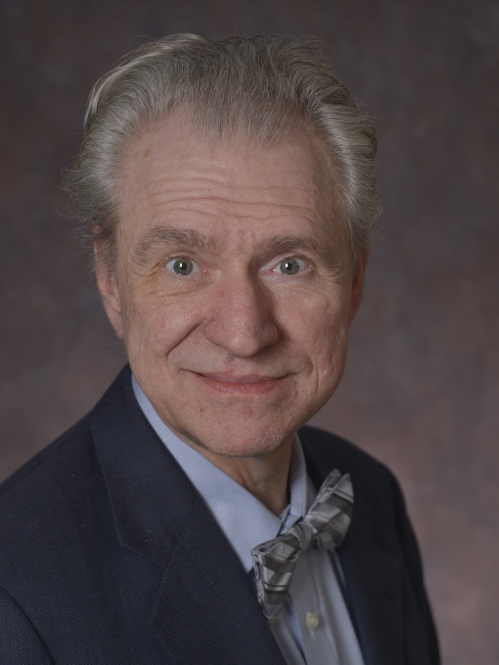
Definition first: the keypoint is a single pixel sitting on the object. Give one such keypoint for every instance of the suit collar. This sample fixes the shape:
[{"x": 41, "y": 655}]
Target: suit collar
[
  {"x": 150, "y": 496},
  {"x": 205, "y": 609}
]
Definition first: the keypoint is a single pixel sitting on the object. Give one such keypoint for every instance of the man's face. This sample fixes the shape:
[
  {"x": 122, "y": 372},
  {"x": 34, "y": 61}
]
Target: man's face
[{"x": 234, "y": 288}]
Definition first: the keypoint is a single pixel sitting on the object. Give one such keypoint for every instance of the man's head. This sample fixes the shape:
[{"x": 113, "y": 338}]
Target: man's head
[{"x": 229, "y": 191}]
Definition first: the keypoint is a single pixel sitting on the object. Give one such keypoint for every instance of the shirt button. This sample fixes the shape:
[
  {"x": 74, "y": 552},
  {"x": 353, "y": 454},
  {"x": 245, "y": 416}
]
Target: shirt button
[{"x": 312, "y": 620}]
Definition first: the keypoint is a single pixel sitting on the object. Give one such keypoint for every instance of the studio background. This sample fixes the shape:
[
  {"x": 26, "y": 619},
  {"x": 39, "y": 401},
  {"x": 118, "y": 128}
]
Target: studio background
[{"x": 420, "y": 391}]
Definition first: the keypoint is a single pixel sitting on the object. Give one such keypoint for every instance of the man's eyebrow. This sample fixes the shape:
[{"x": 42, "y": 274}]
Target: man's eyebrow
[
  {"x": 319, "y": 244},
  {"x": 187, "y": 239},
  {"x": 160, "y": 235}
]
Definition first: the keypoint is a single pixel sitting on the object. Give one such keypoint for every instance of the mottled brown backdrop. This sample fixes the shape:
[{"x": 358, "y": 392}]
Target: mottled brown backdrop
[{"x": 421, "y": 388}]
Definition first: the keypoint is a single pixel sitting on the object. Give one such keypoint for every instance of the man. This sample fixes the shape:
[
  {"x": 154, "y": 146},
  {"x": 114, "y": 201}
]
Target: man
[{"x": 228, "y": 192}]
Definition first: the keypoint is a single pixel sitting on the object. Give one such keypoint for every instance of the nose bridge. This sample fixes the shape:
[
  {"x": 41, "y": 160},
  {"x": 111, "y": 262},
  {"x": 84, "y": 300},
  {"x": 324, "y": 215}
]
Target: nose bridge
[{"x": 242, "y": 316}]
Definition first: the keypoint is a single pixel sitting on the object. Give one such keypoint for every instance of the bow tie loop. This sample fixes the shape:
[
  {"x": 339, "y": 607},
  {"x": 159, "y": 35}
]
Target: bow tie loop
[{"x": 325, "y": 525}]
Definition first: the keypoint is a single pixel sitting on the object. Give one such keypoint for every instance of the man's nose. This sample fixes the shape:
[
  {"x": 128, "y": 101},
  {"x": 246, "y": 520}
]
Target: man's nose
[{"x": 242, "y": 320}]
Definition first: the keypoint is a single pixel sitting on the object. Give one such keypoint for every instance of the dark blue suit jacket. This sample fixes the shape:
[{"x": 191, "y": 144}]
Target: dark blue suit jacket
[{"x": 109, "y": 556}]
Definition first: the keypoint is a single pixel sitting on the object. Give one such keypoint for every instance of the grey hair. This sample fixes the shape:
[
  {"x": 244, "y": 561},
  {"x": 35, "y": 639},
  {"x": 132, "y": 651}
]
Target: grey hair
[{"x": 255, "y": 86}]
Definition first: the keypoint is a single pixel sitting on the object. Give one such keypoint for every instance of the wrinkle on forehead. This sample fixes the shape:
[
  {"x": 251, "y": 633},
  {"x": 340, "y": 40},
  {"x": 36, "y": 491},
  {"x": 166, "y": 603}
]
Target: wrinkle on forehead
[{"x": 175, "y": 169}]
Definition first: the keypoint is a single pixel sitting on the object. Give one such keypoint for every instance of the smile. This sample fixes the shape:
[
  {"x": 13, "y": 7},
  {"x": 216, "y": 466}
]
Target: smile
[{"x": 252, "y": 384}]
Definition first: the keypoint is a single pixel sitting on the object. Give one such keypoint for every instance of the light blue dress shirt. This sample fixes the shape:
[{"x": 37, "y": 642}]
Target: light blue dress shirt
[{"x": 314, "y": 626}]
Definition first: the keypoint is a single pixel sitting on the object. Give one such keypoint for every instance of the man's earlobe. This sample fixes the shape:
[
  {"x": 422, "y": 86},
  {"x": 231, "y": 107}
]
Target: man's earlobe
[{"x": 108, "y": 289}]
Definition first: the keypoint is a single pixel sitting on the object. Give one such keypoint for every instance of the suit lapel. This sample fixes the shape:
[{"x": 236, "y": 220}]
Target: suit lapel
[
  {"x": 372, "y": 576},
  {"x": 205, "y": 610},
  {"x": 374, "y": 591}
]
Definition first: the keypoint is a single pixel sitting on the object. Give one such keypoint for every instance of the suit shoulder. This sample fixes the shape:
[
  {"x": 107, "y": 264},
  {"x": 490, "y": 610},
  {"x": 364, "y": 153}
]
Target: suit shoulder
[
  {"x": 65, "y": 454},
  {"x": 45, "y": 463},
  {"x": 46, "y": 481},
  {"x": 49, "y": 508}
]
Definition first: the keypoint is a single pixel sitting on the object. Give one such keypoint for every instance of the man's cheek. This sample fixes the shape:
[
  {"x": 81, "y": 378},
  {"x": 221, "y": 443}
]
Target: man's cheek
[
  {"x": 162, "y": 327},
  {"x": 320, "y": 331}
]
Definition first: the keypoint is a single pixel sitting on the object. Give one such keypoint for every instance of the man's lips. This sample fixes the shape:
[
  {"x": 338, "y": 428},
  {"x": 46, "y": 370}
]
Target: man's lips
[{"x": 249, "y": 384}]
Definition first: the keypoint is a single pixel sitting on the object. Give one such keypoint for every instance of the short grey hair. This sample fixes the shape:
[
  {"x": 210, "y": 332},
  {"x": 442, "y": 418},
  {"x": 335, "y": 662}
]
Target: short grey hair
[{"x": 258, "y": 87}]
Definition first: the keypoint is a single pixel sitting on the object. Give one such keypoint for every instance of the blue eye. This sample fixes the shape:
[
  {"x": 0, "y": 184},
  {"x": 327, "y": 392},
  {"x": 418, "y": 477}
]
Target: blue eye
[
  {"x": 290, "y": 266},
  {"x": 182, "y": 266}
]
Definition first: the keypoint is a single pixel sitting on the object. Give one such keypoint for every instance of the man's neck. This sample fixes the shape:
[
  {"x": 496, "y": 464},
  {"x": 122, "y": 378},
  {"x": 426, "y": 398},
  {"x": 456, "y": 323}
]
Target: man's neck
[{"x": 264, "y": 475}]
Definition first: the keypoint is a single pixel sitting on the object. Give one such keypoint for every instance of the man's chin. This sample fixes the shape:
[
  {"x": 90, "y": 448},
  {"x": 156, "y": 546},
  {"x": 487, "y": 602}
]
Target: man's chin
[{"x": 225, "y": 442}]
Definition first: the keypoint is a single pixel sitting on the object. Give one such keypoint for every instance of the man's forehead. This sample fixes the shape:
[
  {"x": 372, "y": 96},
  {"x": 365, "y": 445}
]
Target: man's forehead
[
  {"x": 181, "y": 188},
  {"x": 175, "y": 154}
]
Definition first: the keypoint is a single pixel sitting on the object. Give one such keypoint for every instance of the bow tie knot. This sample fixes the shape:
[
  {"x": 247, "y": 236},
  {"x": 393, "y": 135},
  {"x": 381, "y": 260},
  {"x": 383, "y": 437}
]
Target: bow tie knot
[
  {"x": 325, "y": 526},
  {"x": 304, "y": 534}
]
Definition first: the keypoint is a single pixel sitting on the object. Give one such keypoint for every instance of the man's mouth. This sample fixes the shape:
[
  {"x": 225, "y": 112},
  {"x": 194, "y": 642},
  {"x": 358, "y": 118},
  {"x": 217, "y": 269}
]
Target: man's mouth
[{"x": 248, "y": 384}]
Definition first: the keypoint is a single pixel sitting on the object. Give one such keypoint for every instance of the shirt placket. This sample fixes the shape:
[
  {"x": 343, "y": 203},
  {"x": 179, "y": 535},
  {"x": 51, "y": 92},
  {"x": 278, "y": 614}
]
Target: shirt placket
[{"x": 317, "y": 644}]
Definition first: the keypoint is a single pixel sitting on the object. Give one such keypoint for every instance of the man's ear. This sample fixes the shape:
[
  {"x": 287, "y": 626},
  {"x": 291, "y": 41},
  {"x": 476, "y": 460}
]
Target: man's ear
[
  {"x": 108, "y": 289},
  {"x": 359, "y": 269}
]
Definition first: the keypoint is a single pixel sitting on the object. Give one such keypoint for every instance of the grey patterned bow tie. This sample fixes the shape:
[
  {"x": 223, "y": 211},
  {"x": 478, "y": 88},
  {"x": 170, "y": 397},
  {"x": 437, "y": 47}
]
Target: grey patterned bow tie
[{"x": 325, "y": 524}]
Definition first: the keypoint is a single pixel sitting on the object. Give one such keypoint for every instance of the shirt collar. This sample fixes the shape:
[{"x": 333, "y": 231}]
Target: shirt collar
[{"x": 230, "y": 503}]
